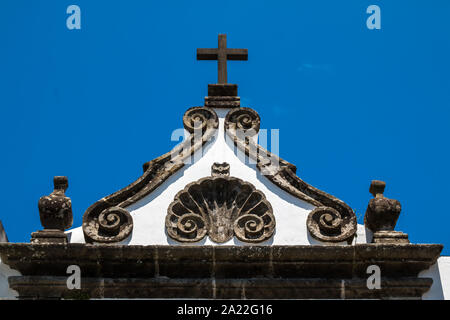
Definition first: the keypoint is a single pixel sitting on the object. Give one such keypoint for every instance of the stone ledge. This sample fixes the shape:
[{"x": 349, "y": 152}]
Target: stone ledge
[
  {"x": 222, "y": 90},
  {"x": 49, "y": 236},
  {"x": 222, "y": 102},
  {"x": 195, "y": 265},
  {"x": 220, "y": 261},
  {"x": 44, "y": 287}
]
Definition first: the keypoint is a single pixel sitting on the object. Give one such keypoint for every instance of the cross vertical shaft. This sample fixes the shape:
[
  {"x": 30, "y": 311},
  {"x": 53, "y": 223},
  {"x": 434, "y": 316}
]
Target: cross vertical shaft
[{"x": 222, "y": 59}]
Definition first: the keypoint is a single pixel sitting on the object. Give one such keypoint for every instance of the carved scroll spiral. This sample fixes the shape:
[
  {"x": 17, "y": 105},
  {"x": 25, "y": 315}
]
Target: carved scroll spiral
[
  {"x": 221, "y": 207},
  {"x": 185, "y": 225},
  {"x": 197, "y": 118},
  {"x": 257, "y": 222},
  {"x": 327, "y": 224},
  {"x": 111, "y": 225},
  {"x": 243, "y": 119}
]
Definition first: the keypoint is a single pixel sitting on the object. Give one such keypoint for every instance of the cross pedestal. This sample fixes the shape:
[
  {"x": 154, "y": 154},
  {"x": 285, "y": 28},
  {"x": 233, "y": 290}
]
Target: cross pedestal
[{"x": 222, "y": 96}]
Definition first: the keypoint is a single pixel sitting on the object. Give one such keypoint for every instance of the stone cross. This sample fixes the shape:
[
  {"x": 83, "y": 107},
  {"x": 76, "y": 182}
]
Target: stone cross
[{"x": 222, "y": 54}]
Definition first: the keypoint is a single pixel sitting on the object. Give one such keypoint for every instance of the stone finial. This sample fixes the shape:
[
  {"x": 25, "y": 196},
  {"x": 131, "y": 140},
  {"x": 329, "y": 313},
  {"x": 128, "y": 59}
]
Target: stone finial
[
  {"x": 55, "y": 211},
  {"x": 382, "y": 215}
]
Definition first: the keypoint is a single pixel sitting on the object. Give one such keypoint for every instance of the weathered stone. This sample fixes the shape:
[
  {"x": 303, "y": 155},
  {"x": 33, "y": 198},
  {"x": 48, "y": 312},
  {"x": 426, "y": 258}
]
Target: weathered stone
[
  {"x": 222, "y": 96},
  {"x": 222, "y": 102},
  {"x": 198, "y": 117},
  {"x": 220, "y": 169},
  {"x": 382, "y": 215},
  {"x": 327, "y": 224},
  {"x": 386, "y": 236},
  {"x": 253, "y": 272},
  {"x": 111, "y": 225},
  {"x": 185, "y": 261},
  {"x": 55, "y": 288},
  {"x": 242, "y": 121},
  {"x": 49, "y": 236},
  {"x": 222, "y": 90},
  {"x": 55, "y": 210},
  {"x": 220, "y": 206}
]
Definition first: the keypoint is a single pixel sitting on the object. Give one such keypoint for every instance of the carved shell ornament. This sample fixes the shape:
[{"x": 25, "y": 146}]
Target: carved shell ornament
[{"x": 220, "y": 206}]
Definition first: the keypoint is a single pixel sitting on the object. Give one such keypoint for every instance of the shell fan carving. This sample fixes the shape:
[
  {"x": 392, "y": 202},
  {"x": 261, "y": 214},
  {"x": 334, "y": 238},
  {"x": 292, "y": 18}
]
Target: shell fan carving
[{"x": 220, "y": 207}]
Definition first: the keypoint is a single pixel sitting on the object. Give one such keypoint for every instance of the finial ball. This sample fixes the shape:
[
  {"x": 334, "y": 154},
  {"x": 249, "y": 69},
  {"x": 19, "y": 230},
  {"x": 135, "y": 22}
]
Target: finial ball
[
  {"x": 60, "y": 182},
  {"x": 377, "y": 187}
]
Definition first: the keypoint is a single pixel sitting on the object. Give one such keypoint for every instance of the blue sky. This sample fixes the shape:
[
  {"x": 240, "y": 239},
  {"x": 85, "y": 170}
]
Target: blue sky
[{"x": 351, "y": 104}]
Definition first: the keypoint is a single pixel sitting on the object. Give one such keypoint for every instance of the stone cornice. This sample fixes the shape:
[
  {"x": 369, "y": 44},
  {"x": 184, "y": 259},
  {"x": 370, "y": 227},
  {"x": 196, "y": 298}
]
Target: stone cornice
[{"x": 268, "y": 267}]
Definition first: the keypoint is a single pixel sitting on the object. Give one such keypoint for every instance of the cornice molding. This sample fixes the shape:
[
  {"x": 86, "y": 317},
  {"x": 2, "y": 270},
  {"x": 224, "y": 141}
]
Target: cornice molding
[{"x": 266, "y": 272}]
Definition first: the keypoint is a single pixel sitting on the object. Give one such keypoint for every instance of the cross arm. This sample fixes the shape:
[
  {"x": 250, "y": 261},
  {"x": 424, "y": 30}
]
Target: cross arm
[
  {"x": 237, "y": 54},
  {"x": 206, "y": 54}
]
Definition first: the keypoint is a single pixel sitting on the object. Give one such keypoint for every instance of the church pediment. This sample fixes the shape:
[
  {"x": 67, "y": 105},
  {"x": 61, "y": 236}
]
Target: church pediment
[
  {"x": 109, "y": 221},
  {"x": 231, "y": 130},
  {"x": 219, "y": 216}
]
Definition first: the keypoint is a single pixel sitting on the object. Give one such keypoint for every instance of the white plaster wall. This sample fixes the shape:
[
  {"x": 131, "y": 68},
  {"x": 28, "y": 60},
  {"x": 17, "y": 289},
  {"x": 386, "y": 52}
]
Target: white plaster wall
[
  {"x": 150, "y": 212},
  {"x": 5, "y": 291},
  {"x": 440, "y": 273}
]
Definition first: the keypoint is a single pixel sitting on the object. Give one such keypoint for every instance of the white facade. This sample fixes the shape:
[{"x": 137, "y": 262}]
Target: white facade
[
  {"x": 440, "y": 273},
  {"x": 5, "y": 272}
]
